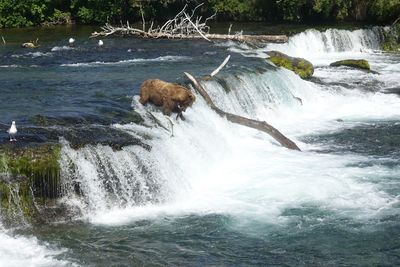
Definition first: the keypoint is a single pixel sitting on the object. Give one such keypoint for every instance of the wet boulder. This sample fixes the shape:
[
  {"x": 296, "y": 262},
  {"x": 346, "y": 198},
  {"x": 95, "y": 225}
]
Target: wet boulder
[
  {"x": 29, "y": 180},
  {"x": 300, "y": 66},
  {"x": 353, "y": 63},
  {"x": 391, "y": 42}
]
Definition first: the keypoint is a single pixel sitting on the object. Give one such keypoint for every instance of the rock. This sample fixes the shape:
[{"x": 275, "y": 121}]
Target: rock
[
  {"x": 29, "y": 179},
  {"x": 300, "y": 66},
  {"x": 354, "y": 63},
  {"x": 391, "y": 41}
]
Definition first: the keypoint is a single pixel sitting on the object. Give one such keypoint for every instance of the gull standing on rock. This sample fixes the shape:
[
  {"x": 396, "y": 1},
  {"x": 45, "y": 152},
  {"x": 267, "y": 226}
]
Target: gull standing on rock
[
  {"x": 12, "y": 132},
  {"x": 71, "y": 42}
]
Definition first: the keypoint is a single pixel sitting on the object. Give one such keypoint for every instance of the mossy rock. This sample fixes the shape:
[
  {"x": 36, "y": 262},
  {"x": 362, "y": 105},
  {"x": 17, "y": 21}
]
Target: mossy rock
[
  {"x": 391, "y": 41},
  {"x": 17, "y": 202},
  {"x": 37, "y": 163},
  {"x": 29, "y": 176},
  {"x": 353, "y": 63},
  {"x": 300, "y": 66},
  {"x": 391, "y": 47}
]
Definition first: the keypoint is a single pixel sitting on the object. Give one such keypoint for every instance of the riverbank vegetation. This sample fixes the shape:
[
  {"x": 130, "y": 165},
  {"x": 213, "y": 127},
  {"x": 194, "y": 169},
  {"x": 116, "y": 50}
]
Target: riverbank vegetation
[{"x": 22, "y": 13}]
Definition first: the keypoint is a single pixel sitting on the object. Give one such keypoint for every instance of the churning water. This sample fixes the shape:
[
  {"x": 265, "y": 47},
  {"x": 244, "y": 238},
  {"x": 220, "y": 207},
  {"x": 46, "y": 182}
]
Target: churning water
[{"x": 205, "y": 191}]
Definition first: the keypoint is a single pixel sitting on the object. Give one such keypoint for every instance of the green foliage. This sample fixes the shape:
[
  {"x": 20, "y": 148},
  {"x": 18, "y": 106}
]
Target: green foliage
[
  {"x": 235, "y": 9},
  {"x": 101, "y": 11},
  {"x": 383, "y": 10},
  {"x": 21, "y": 13},
  {"x": 392, "y": 39},
  {"x": 58, "y": 18}
]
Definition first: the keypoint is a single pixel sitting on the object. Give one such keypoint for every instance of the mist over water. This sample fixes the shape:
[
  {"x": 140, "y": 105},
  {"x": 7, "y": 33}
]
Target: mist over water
[{"x": 207, "y": 181}]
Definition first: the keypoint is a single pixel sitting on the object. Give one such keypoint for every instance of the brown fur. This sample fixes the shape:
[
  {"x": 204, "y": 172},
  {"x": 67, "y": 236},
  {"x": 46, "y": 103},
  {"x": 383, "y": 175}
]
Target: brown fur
[{"x": 169, "y": 96}]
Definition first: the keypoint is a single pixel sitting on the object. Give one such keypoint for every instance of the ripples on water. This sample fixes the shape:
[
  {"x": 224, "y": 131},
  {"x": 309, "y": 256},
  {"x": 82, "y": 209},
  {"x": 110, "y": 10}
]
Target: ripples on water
[{"x": 216, "y": 193}]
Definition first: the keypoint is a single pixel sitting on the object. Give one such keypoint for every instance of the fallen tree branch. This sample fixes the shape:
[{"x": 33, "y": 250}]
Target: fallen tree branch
[
  {"x": 195, "y": 27},
  {"x": 140, "y": 33},
  {"x": 255, "y": 124},
  {"x": 215, "y": 72},
  {"x": 397, "y": 20},
  {"x": 184, "y": 26}
]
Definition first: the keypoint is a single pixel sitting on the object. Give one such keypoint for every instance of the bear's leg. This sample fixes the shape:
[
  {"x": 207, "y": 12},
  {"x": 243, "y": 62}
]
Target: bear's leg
[
  {"x": 144, "y": 97},
  {"x": 168, "y": 105}
]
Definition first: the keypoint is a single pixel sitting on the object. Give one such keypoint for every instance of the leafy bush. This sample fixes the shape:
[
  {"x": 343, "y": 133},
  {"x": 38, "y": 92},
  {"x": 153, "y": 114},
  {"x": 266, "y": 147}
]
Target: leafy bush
[{"x": 20, "y": 13}]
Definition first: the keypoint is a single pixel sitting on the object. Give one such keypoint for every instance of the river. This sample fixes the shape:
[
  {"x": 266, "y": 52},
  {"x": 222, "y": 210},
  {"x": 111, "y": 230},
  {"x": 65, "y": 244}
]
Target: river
[{"x": 214, "y": 193}]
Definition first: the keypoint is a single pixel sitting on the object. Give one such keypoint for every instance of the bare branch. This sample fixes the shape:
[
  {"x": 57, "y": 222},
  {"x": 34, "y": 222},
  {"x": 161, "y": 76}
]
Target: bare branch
[
  {"x": 220, "y": 66},
  {"x": 254, "y": 124},
  {"x": 183, "y": 26}
]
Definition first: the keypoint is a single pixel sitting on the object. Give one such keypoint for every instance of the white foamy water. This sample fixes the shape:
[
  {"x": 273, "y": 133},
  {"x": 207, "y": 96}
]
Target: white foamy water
[
  {"x": 13, "y": 66},
  {"x": 313, "y": 43},
  {"x": 61, "y": 48},
  {"x": 210, "y": 166},
  {"x": 214, "y": 167},
  {"x": 32, "y": 55},
  {"x": 274, "y": 96},
  {"x": 10, "y": 66},
  {"x": 322, "y": 48},
  {"x": 129, "y": 61},
  {"x": 16, "y": 251}
]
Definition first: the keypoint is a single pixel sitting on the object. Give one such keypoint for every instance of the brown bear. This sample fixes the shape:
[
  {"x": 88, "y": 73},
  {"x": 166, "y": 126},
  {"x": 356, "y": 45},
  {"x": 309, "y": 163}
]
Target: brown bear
[{"x": 169, "y": 96}]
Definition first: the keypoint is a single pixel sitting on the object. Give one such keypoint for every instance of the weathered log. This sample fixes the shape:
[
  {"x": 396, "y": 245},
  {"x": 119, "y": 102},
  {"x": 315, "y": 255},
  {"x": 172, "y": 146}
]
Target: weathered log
[
  {"x": 184, "y": 26},
  {"x": 250, "y": 38},
  {"x": 240, "y": 38},
  {"x": 255, "y": 124}
]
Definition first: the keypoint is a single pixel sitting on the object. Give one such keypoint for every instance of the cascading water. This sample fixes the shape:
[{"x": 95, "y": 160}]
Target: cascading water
[
  {"x": 205, "y": 165},
  {"x": 27, "y": 251},
  {"x": 210, "y": 192},
  {"x": 321, "y": 47},
  {"x": 313, "y": 42}
]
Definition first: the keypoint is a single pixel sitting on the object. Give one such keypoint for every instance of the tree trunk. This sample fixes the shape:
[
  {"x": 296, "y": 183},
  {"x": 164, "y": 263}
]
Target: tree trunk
[{"x": 255, "y": 124}]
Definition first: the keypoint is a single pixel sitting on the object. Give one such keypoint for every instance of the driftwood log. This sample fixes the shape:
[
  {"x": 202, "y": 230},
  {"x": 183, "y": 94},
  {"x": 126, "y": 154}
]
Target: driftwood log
[
  {"x": 128, "y": 31},
  {"x": 255, "y": 124},
  {"x": 184, "y": 26}
]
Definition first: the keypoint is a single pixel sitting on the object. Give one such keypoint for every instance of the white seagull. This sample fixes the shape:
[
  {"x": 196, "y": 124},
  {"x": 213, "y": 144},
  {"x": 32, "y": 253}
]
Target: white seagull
[
  {"x": 12, "y": 132},
  {"x": 71, "y": 41},
  {"x": 100, "y": 43}
]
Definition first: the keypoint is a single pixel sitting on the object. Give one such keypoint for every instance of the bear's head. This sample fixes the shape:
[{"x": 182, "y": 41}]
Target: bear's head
[{"x": 187, "y": 101}]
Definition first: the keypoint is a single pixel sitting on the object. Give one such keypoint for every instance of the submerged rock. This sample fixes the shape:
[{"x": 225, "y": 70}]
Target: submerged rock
[
  {"x": 354, "y": 63},
  {"x": 300, "y": 66}
]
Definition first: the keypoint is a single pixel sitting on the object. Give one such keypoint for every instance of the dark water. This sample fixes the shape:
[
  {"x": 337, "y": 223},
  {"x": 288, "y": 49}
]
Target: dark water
[{"x": 350, "y": 221}]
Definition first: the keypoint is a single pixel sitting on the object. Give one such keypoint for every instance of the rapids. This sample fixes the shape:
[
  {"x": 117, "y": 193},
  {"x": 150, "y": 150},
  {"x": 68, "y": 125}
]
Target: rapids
[{"x": 215, "y": 193}]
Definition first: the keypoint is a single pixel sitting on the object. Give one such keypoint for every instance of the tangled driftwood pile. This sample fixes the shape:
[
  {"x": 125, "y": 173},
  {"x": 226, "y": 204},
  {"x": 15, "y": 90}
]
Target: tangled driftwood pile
[{"x": 183, "y": 26}]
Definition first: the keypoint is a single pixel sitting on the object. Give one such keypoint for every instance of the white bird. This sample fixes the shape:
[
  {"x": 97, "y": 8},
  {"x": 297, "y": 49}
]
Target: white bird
[
  {"x": 12, "y": 131},
  {"x": 71, "y": 41},
  {"x": 100, "y": 43}
]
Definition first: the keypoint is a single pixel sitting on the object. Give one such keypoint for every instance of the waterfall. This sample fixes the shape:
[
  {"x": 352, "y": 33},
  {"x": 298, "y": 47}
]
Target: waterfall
[
  {"x": 313, "y": 42},
  {"x": 321, "y": 47},
  {"x": 202, "y": 164}
]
